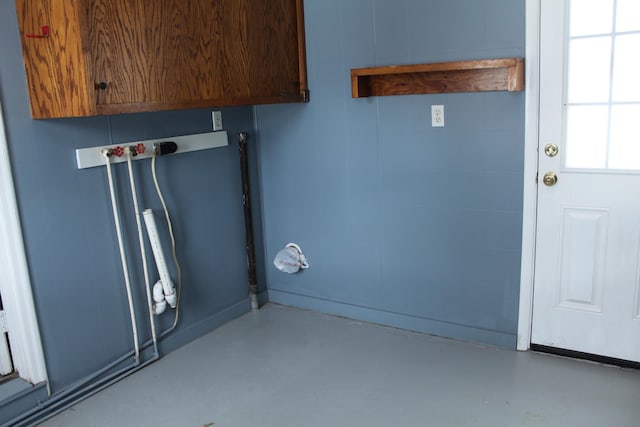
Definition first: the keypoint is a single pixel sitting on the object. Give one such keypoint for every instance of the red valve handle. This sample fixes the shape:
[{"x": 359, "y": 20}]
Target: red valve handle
[
  {"x": 44, "y": 33},
  {"x": 118, "y": 151},
  {"x": 140, "y": 148}
]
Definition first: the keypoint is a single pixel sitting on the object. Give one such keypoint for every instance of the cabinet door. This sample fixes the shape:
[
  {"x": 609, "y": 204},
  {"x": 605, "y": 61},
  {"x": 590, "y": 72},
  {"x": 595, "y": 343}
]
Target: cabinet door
[
  {"x": 276, "y": 50},
  {"x": 58, "y": 78},
  {"x": 177, "y": 54},
  {"x": 161, "y": 51}
]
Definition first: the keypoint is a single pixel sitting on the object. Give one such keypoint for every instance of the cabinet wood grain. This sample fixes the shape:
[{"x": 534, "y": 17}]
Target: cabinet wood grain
[
  {"x": 57, "y": 78},
  {"x": 445, "y": 77},
  {"x": 118, "y": 56}
]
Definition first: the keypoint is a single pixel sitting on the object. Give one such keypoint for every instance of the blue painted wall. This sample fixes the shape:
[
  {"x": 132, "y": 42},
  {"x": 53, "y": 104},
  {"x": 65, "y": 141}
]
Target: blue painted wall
[
  {"x": 403, "y": 224},
  {"x": 68, "y": 225}
]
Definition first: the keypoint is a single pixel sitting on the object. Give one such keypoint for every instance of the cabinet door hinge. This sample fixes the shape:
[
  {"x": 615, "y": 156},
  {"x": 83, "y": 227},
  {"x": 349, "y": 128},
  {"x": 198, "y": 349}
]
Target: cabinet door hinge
[
  {"x": 305, "y": 95},
  {"x": 537, "y": 177},
  {"x": 3, "y": 323}
]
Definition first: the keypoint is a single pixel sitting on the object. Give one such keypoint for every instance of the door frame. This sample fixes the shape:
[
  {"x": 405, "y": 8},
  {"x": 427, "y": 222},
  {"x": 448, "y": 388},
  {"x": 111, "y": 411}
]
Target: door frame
[
  {"x": 15, "y": 286},
  {"x": 530, "y": 187}
]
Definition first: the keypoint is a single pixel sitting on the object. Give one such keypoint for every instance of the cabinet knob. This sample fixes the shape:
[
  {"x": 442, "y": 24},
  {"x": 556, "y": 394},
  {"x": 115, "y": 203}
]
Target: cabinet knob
[{"x": 101, "y": 86}]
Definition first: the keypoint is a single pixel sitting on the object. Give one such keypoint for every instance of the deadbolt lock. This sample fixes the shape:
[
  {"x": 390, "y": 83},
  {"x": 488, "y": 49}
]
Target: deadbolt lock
[
  {"x": 550, "y": 179},
  {"x": 551, "y": 150}
]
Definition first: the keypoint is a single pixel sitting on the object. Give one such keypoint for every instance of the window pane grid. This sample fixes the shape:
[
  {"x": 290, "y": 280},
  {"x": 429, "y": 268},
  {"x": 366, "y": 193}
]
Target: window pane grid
[
  {"x": 607, "y": 34},
  {"x": 602, "y": 93}
]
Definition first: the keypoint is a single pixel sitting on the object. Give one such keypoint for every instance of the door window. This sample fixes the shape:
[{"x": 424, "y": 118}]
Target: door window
[{"x": 602, "y": 99}]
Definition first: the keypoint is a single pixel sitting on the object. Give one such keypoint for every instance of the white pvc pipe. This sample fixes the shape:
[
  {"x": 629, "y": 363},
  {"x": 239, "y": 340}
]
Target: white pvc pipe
[
  {"x": 123, "y": 258},
  {"x": 158, "y": 254},
  {"x": 143, "y": 255},
  {"x": 160, "y": 304}
]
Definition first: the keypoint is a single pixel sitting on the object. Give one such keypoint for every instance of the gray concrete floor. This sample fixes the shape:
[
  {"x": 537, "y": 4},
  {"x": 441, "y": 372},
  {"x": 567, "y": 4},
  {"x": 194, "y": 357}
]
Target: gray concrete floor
[{"x": 284, "y": 367}]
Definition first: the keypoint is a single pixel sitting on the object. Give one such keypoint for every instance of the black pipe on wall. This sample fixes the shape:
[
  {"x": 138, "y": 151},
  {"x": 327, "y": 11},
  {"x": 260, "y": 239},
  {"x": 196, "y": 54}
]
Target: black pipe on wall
[{"x": 246, "y": 202}]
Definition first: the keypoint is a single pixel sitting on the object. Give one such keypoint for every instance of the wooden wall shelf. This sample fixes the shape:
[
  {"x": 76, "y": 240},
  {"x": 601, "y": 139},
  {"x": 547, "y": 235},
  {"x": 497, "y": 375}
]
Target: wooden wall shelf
[{"x": 445, "y": 77}]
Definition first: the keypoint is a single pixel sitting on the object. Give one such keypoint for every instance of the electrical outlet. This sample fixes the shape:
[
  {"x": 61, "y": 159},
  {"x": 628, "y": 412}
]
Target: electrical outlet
[
  {"x": 437, "y": 116},
  {"x": 217, "y": 120}
]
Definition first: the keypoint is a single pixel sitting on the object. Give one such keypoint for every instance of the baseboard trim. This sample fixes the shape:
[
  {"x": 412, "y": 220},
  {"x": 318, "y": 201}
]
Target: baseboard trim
[
  {"x": 397, "y": 320},
  {"x": 21, "y": 402},
  {"x": 263, "y": 297}
]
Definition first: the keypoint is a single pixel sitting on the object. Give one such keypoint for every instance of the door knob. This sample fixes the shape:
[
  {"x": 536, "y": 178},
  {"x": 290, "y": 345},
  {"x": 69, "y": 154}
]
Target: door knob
[
  {"x": 550, "y": 179},
  {"x": 551, "y": 150}
]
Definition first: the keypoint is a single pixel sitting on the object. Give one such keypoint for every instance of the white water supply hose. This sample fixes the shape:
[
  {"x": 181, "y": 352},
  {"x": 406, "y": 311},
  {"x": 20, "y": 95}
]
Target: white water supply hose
[
  {"x": 143, "y": 254},
  {"x": 173, "y": 239},
  {"x": 123, "y": 258}
]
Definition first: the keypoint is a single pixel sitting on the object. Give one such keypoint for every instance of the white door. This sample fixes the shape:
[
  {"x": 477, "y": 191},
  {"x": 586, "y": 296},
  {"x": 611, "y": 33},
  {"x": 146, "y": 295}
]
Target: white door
[
  {"x": 587, "y": 269},
  {"x": 6, "y": 364}
]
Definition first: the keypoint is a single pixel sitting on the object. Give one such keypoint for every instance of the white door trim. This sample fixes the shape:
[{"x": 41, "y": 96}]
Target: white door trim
[
  {"x": 15, "y": 285},
  {"x": 532, "y": 104}
]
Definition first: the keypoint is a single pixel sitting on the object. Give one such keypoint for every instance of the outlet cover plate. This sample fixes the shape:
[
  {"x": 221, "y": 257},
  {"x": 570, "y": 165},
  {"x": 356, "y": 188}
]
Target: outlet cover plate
[
  {"x": 216, "y": 117},
  {"x": 437, "y": 116}
]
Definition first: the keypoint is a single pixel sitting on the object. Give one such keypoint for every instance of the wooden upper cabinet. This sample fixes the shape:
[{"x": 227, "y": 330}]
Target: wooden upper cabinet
[{"x": 119, "y": 56}]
